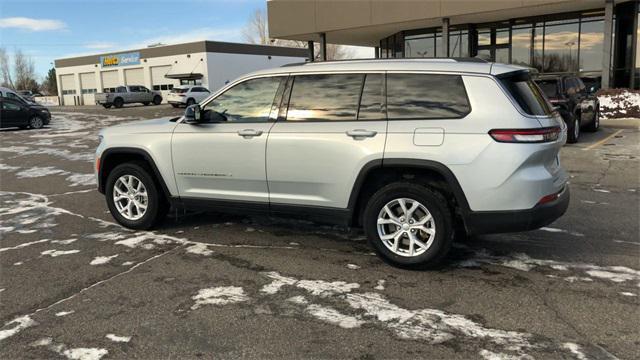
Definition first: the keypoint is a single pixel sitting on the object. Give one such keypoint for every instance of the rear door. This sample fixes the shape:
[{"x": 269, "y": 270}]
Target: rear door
[
  {"x": 13, "y": 113},
  {"x": 333, "y": 126}
]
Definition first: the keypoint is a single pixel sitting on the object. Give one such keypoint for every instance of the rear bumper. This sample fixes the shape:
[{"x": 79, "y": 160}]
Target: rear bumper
[{"x": 493, "y": 222}]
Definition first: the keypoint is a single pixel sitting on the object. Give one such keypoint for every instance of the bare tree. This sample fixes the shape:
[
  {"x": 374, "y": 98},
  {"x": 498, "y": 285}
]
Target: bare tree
[
  {"x": 5, "y": 69},
  {"x": 256, "y": 31},
  {"x": 24, "y": 72}
]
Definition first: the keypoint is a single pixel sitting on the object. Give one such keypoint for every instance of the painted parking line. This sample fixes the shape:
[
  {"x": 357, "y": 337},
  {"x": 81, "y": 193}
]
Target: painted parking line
[{"x": 595, "y": 145}]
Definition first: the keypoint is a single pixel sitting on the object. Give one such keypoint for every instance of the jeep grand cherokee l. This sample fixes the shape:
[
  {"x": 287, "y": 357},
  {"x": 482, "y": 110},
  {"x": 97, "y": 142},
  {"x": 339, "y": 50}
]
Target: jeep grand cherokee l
[{"x": 408, "y": 149}]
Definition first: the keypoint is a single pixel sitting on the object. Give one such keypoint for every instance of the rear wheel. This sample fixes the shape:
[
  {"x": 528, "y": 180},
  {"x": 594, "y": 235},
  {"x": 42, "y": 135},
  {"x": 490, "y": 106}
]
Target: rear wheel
[
  {"x": 133, "y": 198},
  {"x": 107, "y": 106},
  {"x": 409, "y": 225},
  {"x": 118, "y": 102},
  {"x": 36, "y": 122},
  {"x": 157, "y": 100},
  {"x": 574, "y": 129},
  {"x": 146, "y": 103}
]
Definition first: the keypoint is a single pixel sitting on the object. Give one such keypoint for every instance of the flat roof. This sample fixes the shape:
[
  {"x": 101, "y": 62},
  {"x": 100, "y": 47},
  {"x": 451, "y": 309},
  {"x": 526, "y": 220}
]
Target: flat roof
[
  {"x": 444, "y": 65},
  {"x": 190, "y": 48}
]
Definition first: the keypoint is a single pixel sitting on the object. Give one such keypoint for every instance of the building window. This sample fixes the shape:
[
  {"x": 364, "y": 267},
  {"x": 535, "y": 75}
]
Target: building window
[
  {"x": 561, "y": 46},
  {"x": 521, "y": 45},
  {"x": 591, "y": 45},
  {"x": 163, "y": 87},
  {"x": 459, "y": 43},
  {"x": 89, "y": 91},
  {"x": 68, "y": 92},
  {"x": 109, "y": 90},
  {"x": 423, "y": 45}
]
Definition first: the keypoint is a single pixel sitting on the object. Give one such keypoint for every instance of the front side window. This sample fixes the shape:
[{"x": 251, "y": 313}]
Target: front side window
[
  {"x": 372, "y": 97},
  {"x": 10, "y": 106},
  {"x": 549, "y": 87},
  {"x": 325, "y": 97},
  {"x": 426, "y": 96},
  {"x": 249, "y": 101},
  {"x": 526, "y": 93}
]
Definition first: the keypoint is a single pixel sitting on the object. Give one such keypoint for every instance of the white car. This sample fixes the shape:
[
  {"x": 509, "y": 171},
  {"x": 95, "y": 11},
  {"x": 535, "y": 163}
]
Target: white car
[{"x": 187, "y": 95}]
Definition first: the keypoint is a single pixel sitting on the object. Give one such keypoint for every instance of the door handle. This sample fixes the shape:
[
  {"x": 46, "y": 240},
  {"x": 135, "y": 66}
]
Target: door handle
[
  {"x": 359, "y": 134},
  {"x": 249, "y": 133}
]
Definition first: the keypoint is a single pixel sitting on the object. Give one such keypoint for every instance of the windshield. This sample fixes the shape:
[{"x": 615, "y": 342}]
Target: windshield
[
  {"x": 526, "y": 93},
  {"x": 179, "y": 90}
]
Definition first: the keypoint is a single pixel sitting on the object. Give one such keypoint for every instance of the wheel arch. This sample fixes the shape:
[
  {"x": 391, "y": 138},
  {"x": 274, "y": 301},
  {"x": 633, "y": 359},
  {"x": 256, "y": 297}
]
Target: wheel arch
[
  {"x": 113, "y": 157},
  {"x": 378, "y": 173}
]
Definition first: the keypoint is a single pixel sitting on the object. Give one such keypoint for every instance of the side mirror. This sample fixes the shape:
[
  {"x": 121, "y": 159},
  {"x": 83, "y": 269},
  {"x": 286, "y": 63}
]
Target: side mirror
[{"x": 193, "y": 114}]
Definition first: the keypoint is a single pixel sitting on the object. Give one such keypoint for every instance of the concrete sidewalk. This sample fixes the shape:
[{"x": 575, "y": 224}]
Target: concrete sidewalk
[{"x": 628, "y": 123}]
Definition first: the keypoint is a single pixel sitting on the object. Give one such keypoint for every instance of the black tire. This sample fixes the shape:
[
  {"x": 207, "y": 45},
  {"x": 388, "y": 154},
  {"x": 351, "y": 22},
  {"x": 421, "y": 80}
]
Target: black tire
[
  {"x": 146, "y": 103},
  {"x": 157, "y": 100},
  {"x": 157, "y": 206},
  {"x": 118, "y": 102},
  {"x": 435, "y": 203},
  {"x": 190, "y": 101},
  {"x": 573, "y": 128},
  {"x": 107, "y": 106},
  {"x": 175, "y": 105},
  {"x": 36, "y": 122},
  {"x": 595, "y": 124}
]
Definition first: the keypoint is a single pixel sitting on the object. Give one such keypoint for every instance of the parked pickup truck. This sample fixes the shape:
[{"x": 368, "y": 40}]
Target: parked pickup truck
[{"x": 128, "y": 95}]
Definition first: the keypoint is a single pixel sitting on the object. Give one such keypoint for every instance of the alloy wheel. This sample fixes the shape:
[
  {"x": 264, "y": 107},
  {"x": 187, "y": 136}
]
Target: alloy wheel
[
  {"x": 36, "y": 122},
  {"x": 130, "y": 197},
  {"x": 406, "y": 227}
]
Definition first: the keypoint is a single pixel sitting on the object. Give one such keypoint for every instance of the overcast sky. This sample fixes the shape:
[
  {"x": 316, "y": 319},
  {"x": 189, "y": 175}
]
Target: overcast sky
[{"x": 48, "y": 30}]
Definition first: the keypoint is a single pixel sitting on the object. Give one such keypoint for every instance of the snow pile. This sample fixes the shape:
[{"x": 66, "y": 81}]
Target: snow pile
[
  {"x": 219, "y": 296},
  {"x": 619, "y": 103}
]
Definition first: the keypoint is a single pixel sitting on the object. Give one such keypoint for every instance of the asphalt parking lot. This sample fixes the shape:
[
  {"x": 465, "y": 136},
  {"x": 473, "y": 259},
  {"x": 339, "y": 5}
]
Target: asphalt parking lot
[{"x": 205, "y": 285}]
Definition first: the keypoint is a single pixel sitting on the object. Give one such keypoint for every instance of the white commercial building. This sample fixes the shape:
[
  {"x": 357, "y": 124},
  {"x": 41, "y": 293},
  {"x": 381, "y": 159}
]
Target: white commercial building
[{"x": 160, "y": 68}]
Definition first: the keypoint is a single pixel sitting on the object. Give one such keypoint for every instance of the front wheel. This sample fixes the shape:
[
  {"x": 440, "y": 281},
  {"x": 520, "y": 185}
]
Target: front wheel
[
  {"x": 36, "y": 122},
  {"x": 107, "y": 106},
  {"x": 157, "y": 100},
  {"x": 118, "y": 103},
  {"x": 409, "y": 225},
  {"x": 574, "y": 130},
  {"x": 146, "y": 103},
  {"x": 595, "y": 124},
  {"x": 133, "y": 198}
]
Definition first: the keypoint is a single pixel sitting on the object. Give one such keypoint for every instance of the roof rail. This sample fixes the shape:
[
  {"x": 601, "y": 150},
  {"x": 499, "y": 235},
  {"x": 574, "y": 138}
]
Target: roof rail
[{"x": 456, "y": 59}]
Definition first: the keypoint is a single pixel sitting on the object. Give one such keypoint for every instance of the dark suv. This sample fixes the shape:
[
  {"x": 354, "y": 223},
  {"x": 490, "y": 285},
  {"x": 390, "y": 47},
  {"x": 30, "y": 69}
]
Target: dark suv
[{"x": 578, "y": 106}]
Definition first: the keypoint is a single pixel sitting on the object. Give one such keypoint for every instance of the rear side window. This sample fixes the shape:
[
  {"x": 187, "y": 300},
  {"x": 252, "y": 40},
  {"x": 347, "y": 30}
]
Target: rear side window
[
  {"x": 372, "y": 98},
  {"x": 325, "y": 97},
  {"x": 426, "y": 96},
  {"x": 526, "y": 93}
]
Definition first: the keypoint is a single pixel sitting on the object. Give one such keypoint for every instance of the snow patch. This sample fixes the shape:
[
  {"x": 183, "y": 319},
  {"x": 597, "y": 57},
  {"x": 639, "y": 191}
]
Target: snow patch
[
  {"x": 626, "y": 293},
  {"x": 37, "y": 171},
  {"x": 21, "y": 323},
  {"x": 219, "y": 296},
  {"x": 56, "y": 253},
  {"x": 65, "y": 313},
  {"x": 199, "y": 249},
  {"x": 85, "y": 353},
  {"x": 333, "y": 316},
  {"x": 380, "y": 285},
  {"x": 81, "y": 179},
  {"x": 575, "y": 349},
  {"x": 353, "y": 266},
  {"x": 116, "y": 338},
  {"x": 23, "y": 245},
  {"x": 101, "y": 260},
  {"x": 64, "y": 242}
]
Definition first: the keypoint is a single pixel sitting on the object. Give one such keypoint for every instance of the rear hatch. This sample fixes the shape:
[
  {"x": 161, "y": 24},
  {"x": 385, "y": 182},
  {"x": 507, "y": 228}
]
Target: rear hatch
[
  {"x": 177, "y": 94},
  {"x": 544, "y": 119}
]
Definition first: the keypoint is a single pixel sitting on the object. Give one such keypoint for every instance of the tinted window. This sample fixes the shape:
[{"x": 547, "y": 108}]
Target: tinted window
[
  {"x": 249, "y": 101},
  {"x": 10, "y": 106},
  {"x": 371, "y": 100},
  {"x": 426, "y": 96},
  {"x": 325, "y": 97},
  {"x": 548, "y": 87},
  {"x": 526, "y": 93},
  {"x": 121, "y": 89},
  {"x": 177, "y": 90}
]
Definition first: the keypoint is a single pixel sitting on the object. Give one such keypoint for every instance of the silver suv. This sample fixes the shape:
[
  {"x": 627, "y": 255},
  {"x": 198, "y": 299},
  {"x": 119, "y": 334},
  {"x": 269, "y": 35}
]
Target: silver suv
[{"x": 410, "y": 150}]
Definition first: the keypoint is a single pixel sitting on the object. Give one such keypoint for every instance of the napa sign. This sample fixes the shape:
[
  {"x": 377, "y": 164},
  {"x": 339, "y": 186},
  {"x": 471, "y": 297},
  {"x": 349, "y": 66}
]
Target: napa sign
[{"x": 132, "y": 58}]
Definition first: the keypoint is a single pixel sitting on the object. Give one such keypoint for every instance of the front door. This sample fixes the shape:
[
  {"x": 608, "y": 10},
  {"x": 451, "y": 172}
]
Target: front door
[
  {"x": 223, "y": 157},
  {"x": 13, "y": 114},
  {"x": 333, "y": 126}
]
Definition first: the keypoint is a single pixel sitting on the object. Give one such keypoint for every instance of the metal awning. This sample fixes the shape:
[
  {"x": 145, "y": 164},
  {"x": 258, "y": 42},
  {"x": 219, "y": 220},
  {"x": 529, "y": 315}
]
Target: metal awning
[{"x": 189, "y": 76}]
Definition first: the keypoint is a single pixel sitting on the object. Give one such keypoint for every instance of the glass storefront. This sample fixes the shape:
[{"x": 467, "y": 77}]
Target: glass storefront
[{"x": 559, "y": 43}]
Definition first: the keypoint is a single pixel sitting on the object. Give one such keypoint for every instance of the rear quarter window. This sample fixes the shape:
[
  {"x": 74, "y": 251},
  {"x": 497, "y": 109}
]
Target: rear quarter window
[
  {"x": 526, "y": 93},
  {"x": 426, "y": 96}
]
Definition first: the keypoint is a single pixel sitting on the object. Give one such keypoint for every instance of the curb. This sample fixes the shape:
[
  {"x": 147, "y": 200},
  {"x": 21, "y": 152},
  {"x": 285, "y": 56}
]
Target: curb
[{"x": 628, "y": 123}]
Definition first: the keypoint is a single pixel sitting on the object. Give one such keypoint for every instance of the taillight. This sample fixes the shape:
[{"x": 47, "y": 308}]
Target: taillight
[
  {"x": 540, "y": 135},
  {"x": 97, "y": 164},
  {"x": 549, "y": 198}
]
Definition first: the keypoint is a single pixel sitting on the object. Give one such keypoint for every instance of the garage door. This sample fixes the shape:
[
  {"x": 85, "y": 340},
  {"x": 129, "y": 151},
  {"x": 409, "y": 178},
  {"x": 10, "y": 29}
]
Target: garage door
[
  {"x": 161, "y": 83},
  {"x": 134, "y": 77},
  {"x": 110, "y": 80},
  {"x": 88, "y": 88},
  {"x": 68, "y": 86}
]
